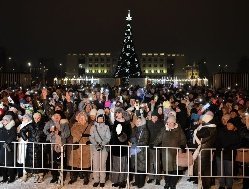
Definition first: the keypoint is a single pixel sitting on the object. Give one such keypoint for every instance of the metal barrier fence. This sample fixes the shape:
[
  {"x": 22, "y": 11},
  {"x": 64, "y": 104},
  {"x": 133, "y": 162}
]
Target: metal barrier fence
[{"x": 52, "y": 153}]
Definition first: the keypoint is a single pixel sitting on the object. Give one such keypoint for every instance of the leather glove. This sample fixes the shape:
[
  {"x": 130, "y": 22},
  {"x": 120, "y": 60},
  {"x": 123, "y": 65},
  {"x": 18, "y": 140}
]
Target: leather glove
[
  {"x": 85, "y": 135},
  {"x": 151, "y": 146},
  {"x": 88, "y": 142},
  {"x": 183, "y": 149}
]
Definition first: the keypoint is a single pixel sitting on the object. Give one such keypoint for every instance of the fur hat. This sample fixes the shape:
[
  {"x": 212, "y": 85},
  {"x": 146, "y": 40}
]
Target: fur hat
[
  {"x": 93, "y": 112},
  {"x": 8, "y": 118},
  {"x": 125, "y": 114},
  {"x": 207, "y": 117},
  {"x": 171, "y": 118},
  {"x": 118, "y": 109},
  {"x": 28, "y": 116}
]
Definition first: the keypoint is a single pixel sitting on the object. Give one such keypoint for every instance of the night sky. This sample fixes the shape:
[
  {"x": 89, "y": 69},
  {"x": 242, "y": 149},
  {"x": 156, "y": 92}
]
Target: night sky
[{"x": 215, "y": 30}]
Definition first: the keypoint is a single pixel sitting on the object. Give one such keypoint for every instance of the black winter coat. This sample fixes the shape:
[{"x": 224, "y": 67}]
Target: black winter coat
[
  {"x": 121, "y": 139},
  {"x": 33, "y": 132},
  {"x": 228, "y": 141},
  {"x": 8, "y": 135}
]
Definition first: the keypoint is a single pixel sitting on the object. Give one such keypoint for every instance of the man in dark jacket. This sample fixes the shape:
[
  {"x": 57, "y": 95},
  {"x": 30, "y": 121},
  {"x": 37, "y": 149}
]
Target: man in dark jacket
[{"x": 154, "y": 127}]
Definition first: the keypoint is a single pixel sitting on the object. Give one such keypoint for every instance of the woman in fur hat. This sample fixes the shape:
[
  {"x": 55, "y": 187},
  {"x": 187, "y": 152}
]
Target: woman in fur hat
[
  {"x": 170, "y": 136},
  {"x": 80, "y": 158},
  {"x": 121, "y": 133},
  {"x": 8, "y": 135}
]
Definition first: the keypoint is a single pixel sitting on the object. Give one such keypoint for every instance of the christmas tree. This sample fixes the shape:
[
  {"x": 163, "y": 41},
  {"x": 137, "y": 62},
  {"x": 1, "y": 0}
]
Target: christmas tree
[{"x": 128, "y": 64}]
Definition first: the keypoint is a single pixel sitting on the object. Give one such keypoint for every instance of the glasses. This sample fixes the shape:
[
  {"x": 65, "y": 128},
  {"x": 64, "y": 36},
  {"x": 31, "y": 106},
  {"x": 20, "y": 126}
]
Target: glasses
[{"x": 170, "y": 123}]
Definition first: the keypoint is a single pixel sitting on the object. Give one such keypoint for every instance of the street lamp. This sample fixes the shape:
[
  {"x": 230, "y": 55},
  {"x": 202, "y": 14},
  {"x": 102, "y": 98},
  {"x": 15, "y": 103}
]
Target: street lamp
[
  {"x": 60, "y": 66},
  {"x": 29, "y": 65}
]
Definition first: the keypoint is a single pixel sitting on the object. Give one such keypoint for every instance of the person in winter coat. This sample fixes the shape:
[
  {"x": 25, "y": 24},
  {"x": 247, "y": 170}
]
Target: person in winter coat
[
  {"x": 154, "y": 126},
  {"x": 140, "y": 137},
  {"x": 33, "y": 133},
  {"x": 57, "y": 131},
  {"x": 99, "y": 137},
  {"x": 22, "y": 144},
  {"x": 229, "y": 140},
  {"x": 205, "y": 136},
  {"x": 120, "y": 135},
  {"x": 80, "y": 158},
  {"x": 7, "y": 135},
  {"x": 170, "y": 136}
]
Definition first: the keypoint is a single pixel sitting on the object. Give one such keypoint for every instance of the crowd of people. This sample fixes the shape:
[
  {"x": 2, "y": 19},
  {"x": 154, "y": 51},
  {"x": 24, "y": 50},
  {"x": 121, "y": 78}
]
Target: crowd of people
[{"x": 100, "y": 129}]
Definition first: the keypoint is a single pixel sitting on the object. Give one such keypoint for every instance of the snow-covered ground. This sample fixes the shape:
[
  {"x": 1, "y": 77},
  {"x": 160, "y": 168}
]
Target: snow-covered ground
[{"x": 18, "y": 184}]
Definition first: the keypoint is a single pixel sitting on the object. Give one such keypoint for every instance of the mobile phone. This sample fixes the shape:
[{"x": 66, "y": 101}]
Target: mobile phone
[{"x": 205, "y": 107}]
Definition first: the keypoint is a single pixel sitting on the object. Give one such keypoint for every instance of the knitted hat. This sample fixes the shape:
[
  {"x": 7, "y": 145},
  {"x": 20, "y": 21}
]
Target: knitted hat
[
  {"x": 100, "y": 113},
  {"x": 166, "y": 104},
  {"x": 93, "y": 112},
  {"x": 172, "y": 113},
  {"x": 207, "y": 117},
  {"x": 107, "y": 104}
]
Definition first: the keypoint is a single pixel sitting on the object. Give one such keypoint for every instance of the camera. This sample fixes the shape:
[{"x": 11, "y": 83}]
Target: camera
[{"x": 99, "y": 147}]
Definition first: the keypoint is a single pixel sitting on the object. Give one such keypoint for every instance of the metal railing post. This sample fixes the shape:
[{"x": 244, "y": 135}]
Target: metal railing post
[{"x": 62, "y": 166}]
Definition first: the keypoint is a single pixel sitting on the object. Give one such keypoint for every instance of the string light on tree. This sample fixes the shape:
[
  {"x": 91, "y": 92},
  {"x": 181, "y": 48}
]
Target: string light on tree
[{"x": 128, "y": 64}]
